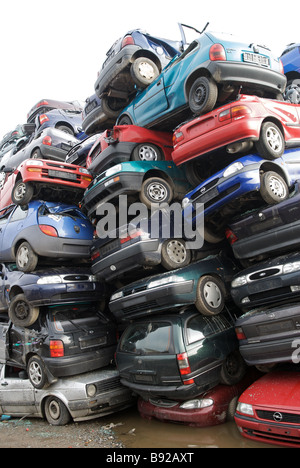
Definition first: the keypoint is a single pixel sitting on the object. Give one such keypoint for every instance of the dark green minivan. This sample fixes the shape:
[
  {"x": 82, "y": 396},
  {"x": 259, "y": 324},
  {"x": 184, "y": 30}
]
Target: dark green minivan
[{"x": 179, "y": 356}]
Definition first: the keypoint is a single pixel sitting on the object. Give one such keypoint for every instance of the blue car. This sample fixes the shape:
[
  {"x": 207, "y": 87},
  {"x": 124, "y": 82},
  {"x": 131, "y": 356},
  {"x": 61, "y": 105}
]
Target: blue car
[
  {"x": 67, "y": 121},
  {"x": 43, "y": 229},
  {"x": 213, "y": 68},
  {"x": 291, "y": 62},
  {"x": 248, "y": 182},
  {"x": 134, "y": 61}
]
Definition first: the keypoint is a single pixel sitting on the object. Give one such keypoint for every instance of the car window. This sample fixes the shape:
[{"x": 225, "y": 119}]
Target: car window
[
  {"x": 198, "y": 328},
  {"x": 148, "y": 338},
  {"x": 82, "y": 317},
  {"x": 15, "y": 373},
  {"x": 5, "y": 214},
  {"x": 19, "y": 214}
]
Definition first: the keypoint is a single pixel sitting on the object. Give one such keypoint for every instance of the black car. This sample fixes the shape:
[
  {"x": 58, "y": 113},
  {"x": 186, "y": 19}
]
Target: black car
[
  {"x": 78, "y": 154},
  {"x": 22, "y": 294},
  {"x": 179, "y": 356},
  {"x": 65, "y": 340},
  {"x": 269, "y": 336},
  {"x": 96, "y": 116},
  {"x": 269, "y": 231},
  {"x": 270, "y": 282}
]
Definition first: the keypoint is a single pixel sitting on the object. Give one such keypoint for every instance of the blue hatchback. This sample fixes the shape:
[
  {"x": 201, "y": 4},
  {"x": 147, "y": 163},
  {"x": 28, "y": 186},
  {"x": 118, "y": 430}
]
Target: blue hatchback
[
  {"x": 291, "y": 62},
  {"x": 213, "y": 68},
  {"x": 43, "y": 229},
  {"x": 248, "y": 182},
  {"x": 67, "y": 121}
]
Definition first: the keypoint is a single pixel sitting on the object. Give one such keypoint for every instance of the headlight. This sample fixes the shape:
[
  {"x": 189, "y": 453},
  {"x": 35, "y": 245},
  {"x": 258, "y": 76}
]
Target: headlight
[
  {"x": 168, "y": 280},
  {"x": 240, "y": 281},
  {"x": 185, "y": 202},
  {"x": 197, "y": 404},
  {"x": 34, "y": 162},
  {"x": 291, "y": 267},
  {"x": 113, "y": 170},
  {"x": 50, "y": 280},
  {"x": 83, "y": 171},
  {"x": 116, "y": 296},
  {"x": 236, "y": 167},
  {"x": 91, "y": 390},
  {"x": 244, "y": 408}
]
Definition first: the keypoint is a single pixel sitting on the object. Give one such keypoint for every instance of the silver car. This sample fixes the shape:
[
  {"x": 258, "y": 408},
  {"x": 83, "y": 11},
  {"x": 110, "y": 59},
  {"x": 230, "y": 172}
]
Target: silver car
[{"x": 88, "y": 396}]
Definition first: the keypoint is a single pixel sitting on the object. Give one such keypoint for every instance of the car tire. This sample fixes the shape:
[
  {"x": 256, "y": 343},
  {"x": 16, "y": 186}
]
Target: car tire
[
  {"x": 66, "y": 129},
  {"x": 273, "y": 188},
  {"x": 174, "y": 254},
  {"x": 143, "y": 72},
  {"x": 22, "y": 193},
  {"x": 210, "y": 296},
  {"x": 203, "y": 95},
  {"x": 37, "y": 373},
  {"x": 213, "y": 237},
  {"x": 271, "y": 143},
  {"x": 125, "y": 120},
  {"x": 155, "y": 191},
  {"x": 21, "y": 312},
  {"x": 108, "y": 108},
  {"x": 36, "y": 154},
  {"x": 233, "y": 369},
  {"x": 147, "y": 152},
  {"x": 56, "y": 412},
  {"x": 232, "y": 409},
  {"x": 26, "y": 258}
]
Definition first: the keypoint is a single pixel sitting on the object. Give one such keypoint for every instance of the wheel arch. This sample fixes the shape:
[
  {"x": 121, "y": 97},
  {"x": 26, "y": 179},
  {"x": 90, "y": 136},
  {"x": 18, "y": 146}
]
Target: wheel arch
[
  {"x": 160, "y": 174},
  {"x": 193, "y": 76},
  {"x": 65, "y": 124},
  {"x": 15, "y": 291},
  {"x": 267, "y": 166},
  {"x": 149, "y": 55},
  {"x": 276, "y": 122},
  {"x": 57, "y": 395}
]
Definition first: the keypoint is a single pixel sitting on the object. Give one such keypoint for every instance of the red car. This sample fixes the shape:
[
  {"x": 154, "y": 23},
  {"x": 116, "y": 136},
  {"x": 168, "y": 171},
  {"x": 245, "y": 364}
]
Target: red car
[
  {"x": 211, "y": 409},
  {"x": 271, "y": 125},
  {"x": 269, "y": 411},
  {"x": 129, "y": 142},
  {"x": 45, "y": 179}
]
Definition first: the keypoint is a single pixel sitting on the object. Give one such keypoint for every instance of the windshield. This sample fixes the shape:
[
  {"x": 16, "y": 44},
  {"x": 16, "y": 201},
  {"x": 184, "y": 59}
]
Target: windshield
[{"x": 69, "y": 318}]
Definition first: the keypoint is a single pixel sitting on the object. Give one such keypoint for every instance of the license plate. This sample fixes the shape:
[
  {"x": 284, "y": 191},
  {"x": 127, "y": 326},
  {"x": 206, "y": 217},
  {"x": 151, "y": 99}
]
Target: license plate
[
  {"x": 92, "y": 342},
  {"x": 91, "y": 106},
  {"x": 143, "y": 378},
  {"x": 62, "y": 175},
  {"x": 256, "y": 58}
]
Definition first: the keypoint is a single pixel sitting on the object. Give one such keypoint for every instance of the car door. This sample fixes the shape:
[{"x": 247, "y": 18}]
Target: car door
[
  {"x": 291, "y": 159},
  {"x": 17, "y": 395},
  {"x": 10, "y": 230},
  {"x": 152, "y": 102},
  {"x": 3, "y": 295}
]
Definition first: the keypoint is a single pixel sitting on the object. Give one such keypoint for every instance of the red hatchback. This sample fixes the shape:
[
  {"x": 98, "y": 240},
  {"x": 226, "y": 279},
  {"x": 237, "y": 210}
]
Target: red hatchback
[
  {"x": 269, "y": 410},
  {"x": 46, "y": 179},
  {"x": 129, "y": 142},
  {"x": 271, "y": 125},
  {"x": 211, "y": 409}
]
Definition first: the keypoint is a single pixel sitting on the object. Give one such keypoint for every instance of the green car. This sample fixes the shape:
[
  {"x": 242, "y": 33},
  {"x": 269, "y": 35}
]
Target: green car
[
  {"x": 156, "y": 182},
  {"x": 205, "y": 283}
]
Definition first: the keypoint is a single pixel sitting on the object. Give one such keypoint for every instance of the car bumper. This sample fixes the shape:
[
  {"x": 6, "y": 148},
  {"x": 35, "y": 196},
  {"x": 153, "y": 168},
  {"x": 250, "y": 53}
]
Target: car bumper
[
  {"x": 280, "y": 239},
  {"x": 286, "y": 435},
  {"x": 58, "y": 177},
  {"x": 271, "y": 352},
  {"x": 135, "y": 256},
  {"x": 114, "y": 154},
  {"x": 225, "y": 191},
  {"x": 51, "y": 152},
  {"x": 112, "y": 69},
  {"x": 239, "y": 130},
  {"x": 247, "y": 75},
  {"x": 110, "y": 188},
  {"x": 153, "y": 300},
  {"x": 96, "y": 121},
  {"x": 56, "y": 247}
]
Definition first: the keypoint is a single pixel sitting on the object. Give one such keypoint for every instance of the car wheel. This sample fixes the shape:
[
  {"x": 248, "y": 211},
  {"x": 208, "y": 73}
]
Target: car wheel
[
  {"x": 203, "y": 95},
  {"x": 233, "y": 369},
  {"x": 37, "y": 373},
  {"x": 156, "y": 191},
  {"x": 22, "y": 193},
  {"x": 125, "y": 120},
  {"x": 147, "y": 152},
  {"x": 213, "y": 237},
  {"x": 292, "y": 92},
  {"x": 36, "y": 154},
  {"x": 143, "y": 72},
  {"x": 271, "y": 144},
  {"x": 232, "y": 409},
  {"x": 111, "y": 107},
  {"x": 174, "y": 254},
  {"x": 65, "y": 128},
  {"x": 273, "y": 188},
  {"x": 56, "y": 412},
  {"x": 210, "y": 295},
  {"x": 26, "y": 258},
  {"x": 21, "y": 312}
]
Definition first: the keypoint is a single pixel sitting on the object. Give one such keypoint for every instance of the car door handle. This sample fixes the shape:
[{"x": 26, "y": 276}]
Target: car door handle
[
  {"x": 159, "y": 83},
  {"x": 4, "y": 384}
]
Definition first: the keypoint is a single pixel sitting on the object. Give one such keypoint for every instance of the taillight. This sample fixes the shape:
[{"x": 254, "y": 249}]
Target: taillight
[
  {"x": 240, "y": 334},
  {"x": 128, "y": 40},
  {"x": 225, "y": 115},
  {"x": 42, "y": 103},
  {"x": 57, "y": 348},
  {"x": 134, "y": 235},
  {"x": 48, "y": 230},
  {"x": 47, "y": 141},
  {"x": 95, "y": 256},
  {"x": 217, "y": 52},
  {"x": 231, "y": 237},
  {"x": 177, "y": 137},
  {"x": 281, "y": 67},
  {"x": 43, "y": 118},
  {"x": 239, "y": 111},
  {"x": 184, "y": 368}
]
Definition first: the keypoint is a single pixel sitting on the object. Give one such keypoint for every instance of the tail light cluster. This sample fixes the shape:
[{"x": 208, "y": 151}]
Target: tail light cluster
[
  {"x": 184, "y": 368},
  {"x": 217, "y": 52},
  {"x": 231, "y": 237},
  {"x": 57, "y": 348},
  {"x": 48, "y": 230},
  {"x": 43, "y": 118},
  {"x": 234, "y": 112},
  {"x": 128, "y": 40},
  {"x": 240, "y": 334}
]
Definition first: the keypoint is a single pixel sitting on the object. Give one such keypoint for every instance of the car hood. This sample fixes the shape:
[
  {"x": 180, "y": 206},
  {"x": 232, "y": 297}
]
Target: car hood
[{"x": 277, "y": 390}]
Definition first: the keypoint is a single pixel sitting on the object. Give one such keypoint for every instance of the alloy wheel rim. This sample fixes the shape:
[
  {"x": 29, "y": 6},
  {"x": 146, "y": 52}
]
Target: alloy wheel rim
[
  {"x": 147, "y": 153},
  {"x": 274, "y": 139},
  {"x": 35, "y": 373}
]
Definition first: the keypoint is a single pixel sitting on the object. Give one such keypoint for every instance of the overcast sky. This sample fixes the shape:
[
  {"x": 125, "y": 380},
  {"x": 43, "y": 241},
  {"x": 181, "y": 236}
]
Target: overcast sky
[{"x": 54, "y": 49}]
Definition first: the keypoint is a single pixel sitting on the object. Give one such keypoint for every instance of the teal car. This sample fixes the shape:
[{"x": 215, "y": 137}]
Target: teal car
[
  {"x": 205, "y": 283},
  {"x": 156, "y": 182},
  {"x": 215, "y": 67}
]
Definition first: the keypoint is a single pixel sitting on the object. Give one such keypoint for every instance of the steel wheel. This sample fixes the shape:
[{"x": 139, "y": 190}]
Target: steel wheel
[
  {"x": 157, "y": 192},
  {"x": 277, "y": 187}
]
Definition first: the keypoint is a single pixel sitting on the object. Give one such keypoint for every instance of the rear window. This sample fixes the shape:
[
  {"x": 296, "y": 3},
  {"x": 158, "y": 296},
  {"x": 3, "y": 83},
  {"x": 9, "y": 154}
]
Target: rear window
[
  {"x": 200, "y": 327},
  {"x": 148, "y": 338},
  {"x": 68, "y": 318}
]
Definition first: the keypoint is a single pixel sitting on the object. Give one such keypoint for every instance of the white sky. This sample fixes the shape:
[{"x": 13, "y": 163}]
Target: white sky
[{"x": 53, "y": 49}]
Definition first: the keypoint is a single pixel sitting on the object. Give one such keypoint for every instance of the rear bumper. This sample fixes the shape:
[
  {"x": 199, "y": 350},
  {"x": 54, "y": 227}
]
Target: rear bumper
[
  {"x": 272, "y": 352},
  {"x": 114, "y": 154}
]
